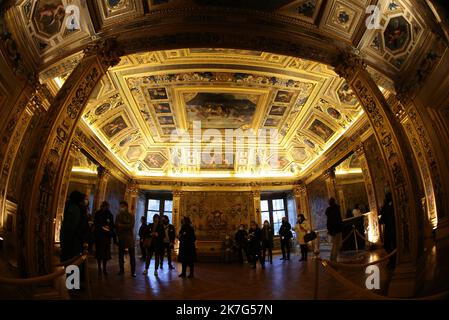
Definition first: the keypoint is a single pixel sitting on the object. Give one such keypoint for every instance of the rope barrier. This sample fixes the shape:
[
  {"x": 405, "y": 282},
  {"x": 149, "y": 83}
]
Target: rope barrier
[
  {"x": 366, "y": 292},
  {"x": 347, "y": 237},
  {"x": 364, "y": 265},
  {"x": 350, "y": 284}
]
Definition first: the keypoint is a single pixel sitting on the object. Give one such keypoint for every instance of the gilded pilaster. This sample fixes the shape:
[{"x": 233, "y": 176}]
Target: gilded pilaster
[{"x": 394, "y": 148}]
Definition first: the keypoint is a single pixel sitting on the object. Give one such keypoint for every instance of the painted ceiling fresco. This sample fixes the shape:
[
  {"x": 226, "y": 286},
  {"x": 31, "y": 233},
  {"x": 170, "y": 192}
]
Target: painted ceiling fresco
[{"x": 149, "y": 99}]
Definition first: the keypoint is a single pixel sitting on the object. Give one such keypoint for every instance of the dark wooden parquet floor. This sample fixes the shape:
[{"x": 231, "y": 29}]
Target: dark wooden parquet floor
[
  {"x": 222, "y": 281},
  {"x": 290, "y": 280}
]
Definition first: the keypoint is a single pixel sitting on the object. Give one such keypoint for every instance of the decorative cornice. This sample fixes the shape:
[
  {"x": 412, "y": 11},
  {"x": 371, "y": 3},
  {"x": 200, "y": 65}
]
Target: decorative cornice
[
  {"x": 107, "y": 50},
  {"x": 347, "y": 63}
]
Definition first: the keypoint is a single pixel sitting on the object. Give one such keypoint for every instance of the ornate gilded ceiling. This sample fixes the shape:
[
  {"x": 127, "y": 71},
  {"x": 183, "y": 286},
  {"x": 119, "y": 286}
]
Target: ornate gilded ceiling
[
  {"x": 147, "y": 97},
  {"x": 51, "y": 29}
]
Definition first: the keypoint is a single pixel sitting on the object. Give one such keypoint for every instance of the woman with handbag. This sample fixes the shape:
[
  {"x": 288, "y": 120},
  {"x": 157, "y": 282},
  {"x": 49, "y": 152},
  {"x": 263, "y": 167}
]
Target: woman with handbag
[
  {"x": 154, "y": 243},
  {"x": 302, "y": 229}
]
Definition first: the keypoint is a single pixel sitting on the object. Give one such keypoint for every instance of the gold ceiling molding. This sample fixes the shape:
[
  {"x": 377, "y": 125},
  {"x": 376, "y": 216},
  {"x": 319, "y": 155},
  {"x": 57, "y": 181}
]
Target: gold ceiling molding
[
  {"x": 147, "y": 97},
  {"x": 44, "y": 29}
]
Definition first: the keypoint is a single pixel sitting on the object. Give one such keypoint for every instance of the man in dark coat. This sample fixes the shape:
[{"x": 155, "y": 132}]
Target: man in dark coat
[
  {"x": 267, "y": 241},
  {"x": 154, "y": 242},
  {"x": 334, "y": 227},
  {"x": 241, "y": 238},
  {"x": 124, "y": 224},
  {"x": 255, "y": 245},
  {"x": 285, "y": 232},
  {"x": 387, "y": 218},
  {"x": 187, "y": 250},
  {"x": 169, "y": 241},
  {"x": 103, "y": 232},
  {"x": 75, "y": 227}
]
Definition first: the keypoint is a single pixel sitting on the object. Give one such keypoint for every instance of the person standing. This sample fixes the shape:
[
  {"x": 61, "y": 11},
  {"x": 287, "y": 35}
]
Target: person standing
[
  {"x": 241, "y": 238},
  {"x": 124, "y": 224},
  {"x": 254, "y": 245},
  {"x": 74, "y": 227},
  {"x": 387, "y": 218},
  {"x": 187, "y": 250},
  {"x": 169, "y": 241},
  {"x": 143, "y": 250},
  {"x": 334, "y": 227},
  {"x": 103, "y": 231},
  {"x": 267, "y": 241},
  {"x": 356, "y": 212},
  {"x": 154, "y": 242},
  {"x": 302, "y": 228},
  {"x": 285, "y": 232}
]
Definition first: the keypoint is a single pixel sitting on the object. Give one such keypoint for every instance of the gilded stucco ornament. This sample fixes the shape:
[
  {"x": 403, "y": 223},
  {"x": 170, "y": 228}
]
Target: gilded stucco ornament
[
  {"x": 347, "y": 63},
  {"x": 107, "y": 50}
]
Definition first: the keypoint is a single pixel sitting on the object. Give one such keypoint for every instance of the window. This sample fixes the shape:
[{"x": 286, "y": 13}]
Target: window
[
  {"x": 159, "y": 204},
  {"x": 168, "y": 208},
  {"x": 274, "y": 209},
  {"x": 265, "y": 211}
]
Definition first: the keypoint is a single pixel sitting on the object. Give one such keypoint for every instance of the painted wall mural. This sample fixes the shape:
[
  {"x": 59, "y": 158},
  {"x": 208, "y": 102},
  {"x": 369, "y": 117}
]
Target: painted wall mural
[
  {"x": 318, "y": 202},
  {"x": 215, "y": 214}
]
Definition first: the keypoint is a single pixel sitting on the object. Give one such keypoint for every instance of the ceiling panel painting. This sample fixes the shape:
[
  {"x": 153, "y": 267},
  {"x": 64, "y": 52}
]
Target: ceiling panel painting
[
  {"x": 114, "y": 127},
  {"x": 221, "y": 110},
  {"x": 321, "y": 130}
]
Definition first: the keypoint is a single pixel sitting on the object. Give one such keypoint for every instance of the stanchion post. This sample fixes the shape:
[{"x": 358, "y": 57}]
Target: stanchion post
[
  {"x": 355, "y": 239},
  {"x": 316, "y": 253}
]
